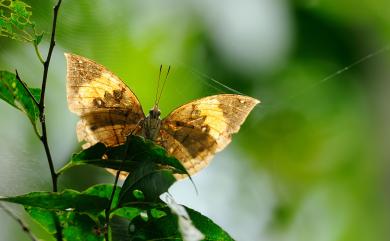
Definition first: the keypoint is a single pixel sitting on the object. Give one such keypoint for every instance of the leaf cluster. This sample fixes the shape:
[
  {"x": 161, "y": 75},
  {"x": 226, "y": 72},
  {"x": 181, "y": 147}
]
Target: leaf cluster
[
  {"x": 16, "y": 23},
  {"x": 136, "y": 204}
]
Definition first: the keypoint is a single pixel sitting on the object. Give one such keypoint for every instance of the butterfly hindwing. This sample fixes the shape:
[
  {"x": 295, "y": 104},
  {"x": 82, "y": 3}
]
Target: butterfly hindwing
[
  {"x": 108, "y": 109},
  {"x": 194, "y": 132}
]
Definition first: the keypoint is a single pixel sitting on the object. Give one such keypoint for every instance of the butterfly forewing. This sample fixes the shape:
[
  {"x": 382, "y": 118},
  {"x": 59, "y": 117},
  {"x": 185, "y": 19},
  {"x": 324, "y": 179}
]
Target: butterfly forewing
[
  {"x": 194, "y": 132},
  {"x": 108, "y": 109}
]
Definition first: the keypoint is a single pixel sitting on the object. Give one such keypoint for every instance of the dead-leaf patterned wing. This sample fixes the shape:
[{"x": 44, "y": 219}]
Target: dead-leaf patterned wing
[
  {"x": 194, "y": 132},
  {"x": 108, "y": 109}
]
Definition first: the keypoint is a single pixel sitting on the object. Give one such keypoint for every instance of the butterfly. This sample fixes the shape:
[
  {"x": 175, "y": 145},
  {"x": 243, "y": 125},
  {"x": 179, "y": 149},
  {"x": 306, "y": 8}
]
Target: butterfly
[{"x": 109, "y": 111}]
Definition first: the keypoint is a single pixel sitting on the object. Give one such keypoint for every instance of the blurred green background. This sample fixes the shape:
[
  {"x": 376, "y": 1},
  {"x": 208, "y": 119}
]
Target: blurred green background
[{"x": 312, "y": 160}]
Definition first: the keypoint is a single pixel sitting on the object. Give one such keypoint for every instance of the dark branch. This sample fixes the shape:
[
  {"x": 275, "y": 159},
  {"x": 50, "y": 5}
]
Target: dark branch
[
  {"x": 26, "y": 88},
  {"x": 42, "y": 99},
  {"x": 42, "y": 118},
  {"x": 24, "y": 226},
  {"x": 49, "y": 54},
  {"x": 108, "y": 209},
  {"x": 118, "y": 173}
]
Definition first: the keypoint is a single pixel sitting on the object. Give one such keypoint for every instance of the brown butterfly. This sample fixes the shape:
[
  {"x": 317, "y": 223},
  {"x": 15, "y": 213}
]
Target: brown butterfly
[{"x": 109, "y": 111}]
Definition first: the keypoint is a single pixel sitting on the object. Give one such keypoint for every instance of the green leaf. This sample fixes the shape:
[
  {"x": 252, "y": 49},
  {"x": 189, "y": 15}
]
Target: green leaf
[
  {"x": 15, "y": 21},
  {"x": 13, "y": 92},
  {"x": 211, "y": 230},
  {"x": 86, "y": 224},
  {"x": 36, "y": 92},
  {"x": 185, "y": 225},
  {"x": 152, "y": 173},
  {"x": 166, "y": 228},
  {"x": 149, "y": 178},
  {"x": 139, "y": 149},
  {"x": 156, "y": 213},
  {"x": 127, "y": 212},
  {"x": 93, "y": 156},
  {"x": 79, "y": 227},
  {"x": 75, "y": 226},
  {"x": 104, "y": 191},
  {"x": 38, "y": 38},
  {"x": 139, "y": 195},
  {"x": 94, "y": 153},
  {"x": 126, "y": 157},
  {"x": 20, "y": 9},
  {"x": 101, "y": 190},
  {"x": 68, "y": 200},
  {"x": 44, "y": 217}
]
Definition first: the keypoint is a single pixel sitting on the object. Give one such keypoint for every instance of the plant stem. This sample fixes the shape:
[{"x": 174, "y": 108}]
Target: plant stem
[
  {"x": 38, "y": 53},
  {"x": 108, "y": 209},
  {"x": 24, "y": 226},
  {"x": 42, "y": 117},
  {"x": 44, "y": 141},
  {"x": 49, "y": 54},
  {"x": 118, "y": 173},
  {"x": 41, "y": 103}
]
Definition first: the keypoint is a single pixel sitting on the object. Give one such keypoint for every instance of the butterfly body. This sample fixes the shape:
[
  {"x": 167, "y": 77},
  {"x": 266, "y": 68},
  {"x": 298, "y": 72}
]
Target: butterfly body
[
  {"x": 151, "y": 124},
  {"x": 109, "y": 111}
]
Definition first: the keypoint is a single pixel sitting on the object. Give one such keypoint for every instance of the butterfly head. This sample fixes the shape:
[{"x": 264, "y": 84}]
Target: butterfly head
[{"x": 155, "y": 112}]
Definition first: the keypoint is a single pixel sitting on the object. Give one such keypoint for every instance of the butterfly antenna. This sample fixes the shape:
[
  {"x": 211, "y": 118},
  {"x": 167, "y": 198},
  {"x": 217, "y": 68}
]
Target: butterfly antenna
[
  {"x": 162, "y": 88},
  {"x": 158, "y": 85}
]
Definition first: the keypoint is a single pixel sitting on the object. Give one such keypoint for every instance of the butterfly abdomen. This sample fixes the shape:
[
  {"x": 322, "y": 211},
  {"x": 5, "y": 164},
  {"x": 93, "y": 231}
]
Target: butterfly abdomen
[{"x": 151, "y": 128}]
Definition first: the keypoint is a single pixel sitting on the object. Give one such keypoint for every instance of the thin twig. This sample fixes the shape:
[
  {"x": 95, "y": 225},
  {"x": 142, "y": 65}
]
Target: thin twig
[
  {"x": 49, "y": 54},
  {"x": 108, "y": 209},
  {"x": 24, "y": 226},
  {"x": 26, "y": 88},
  {"x": 38, "y": 53},
  {"x": 44, "y": 141},
  {"x": 42, "y": 118}
]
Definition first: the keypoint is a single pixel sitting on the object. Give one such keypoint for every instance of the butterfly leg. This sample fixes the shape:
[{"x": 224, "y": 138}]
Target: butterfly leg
[
  {"x": 137, "y": 127},
  {"x": 126, "y": 132}
]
